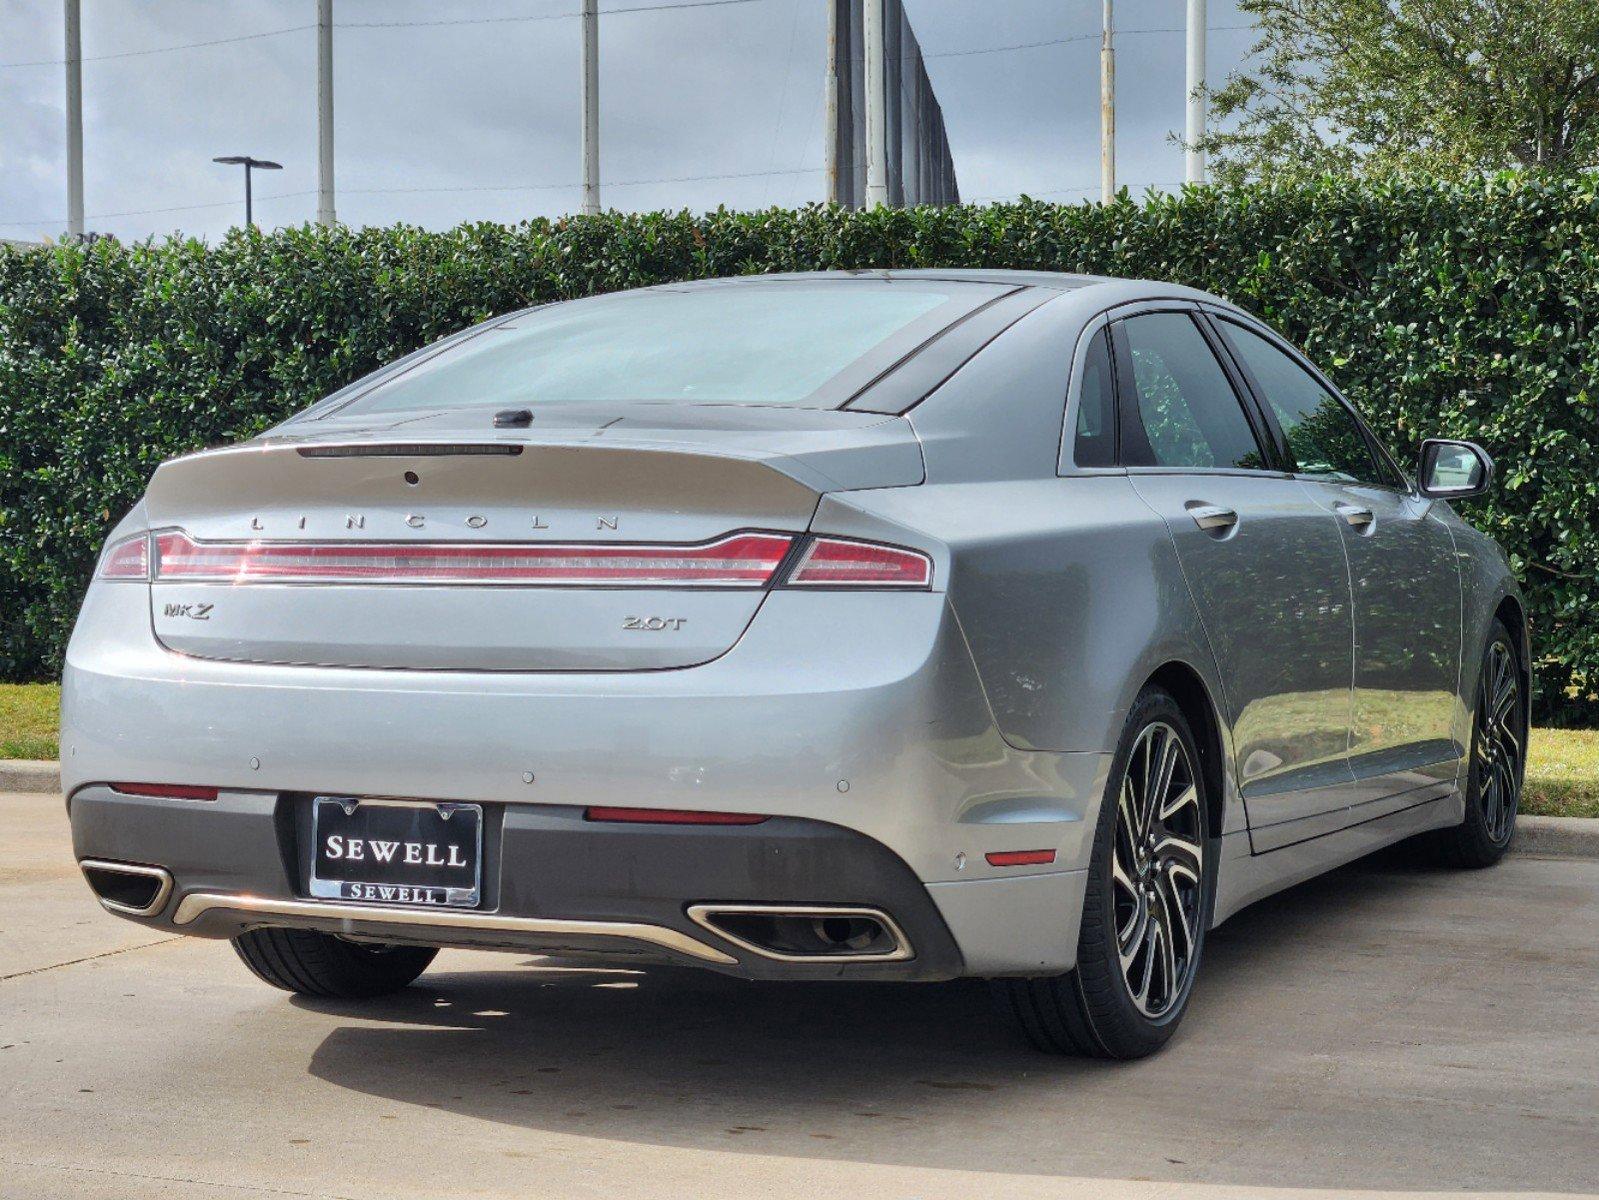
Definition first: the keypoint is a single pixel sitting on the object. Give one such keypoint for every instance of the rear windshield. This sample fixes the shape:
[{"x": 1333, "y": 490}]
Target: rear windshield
[{"x": 801, "y": 344}]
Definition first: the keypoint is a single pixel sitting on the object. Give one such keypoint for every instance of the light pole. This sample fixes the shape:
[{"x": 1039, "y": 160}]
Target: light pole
[
  {"x": 591, "y": 106},
  {"x": 324, "y": 113},
  {"x": 74, "y": 25},
  {"x": 876, "y": 106},
  {"x": 249, "y": 164},
  {"x": 1196, "y": 91},
  {"x": 1107, "y": 108}
]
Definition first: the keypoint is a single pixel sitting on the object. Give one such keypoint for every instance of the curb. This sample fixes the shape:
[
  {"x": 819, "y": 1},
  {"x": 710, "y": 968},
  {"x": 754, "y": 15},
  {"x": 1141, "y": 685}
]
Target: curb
[
  {"x": 23, "y": 775},
  {"x": 1539, "y": 837},
  {"x": 1557, "y": 837}
]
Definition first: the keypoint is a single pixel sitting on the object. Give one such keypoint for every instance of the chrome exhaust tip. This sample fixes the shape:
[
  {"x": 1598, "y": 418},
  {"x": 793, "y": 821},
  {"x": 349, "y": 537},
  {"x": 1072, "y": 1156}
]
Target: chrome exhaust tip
[
  {"x": 802, "y": 933},
  {"x": 128, "y": 889}
]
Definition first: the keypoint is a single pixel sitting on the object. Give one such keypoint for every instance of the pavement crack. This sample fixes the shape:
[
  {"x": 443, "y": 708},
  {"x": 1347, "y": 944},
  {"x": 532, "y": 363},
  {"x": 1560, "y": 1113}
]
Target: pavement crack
[
  {"x": 258, "y": 1189},
  {"x": 72, "y": 962}
]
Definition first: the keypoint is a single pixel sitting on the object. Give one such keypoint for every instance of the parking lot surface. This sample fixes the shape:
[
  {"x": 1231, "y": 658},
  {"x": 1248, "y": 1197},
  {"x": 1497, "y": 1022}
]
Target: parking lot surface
[{"x": 1385, "y": 1029}]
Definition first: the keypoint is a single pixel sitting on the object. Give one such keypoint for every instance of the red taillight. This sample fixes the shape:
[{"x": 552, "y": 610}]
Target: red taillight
[
  {"x": 739, "y": 560},
  {"x": 1020, "y": 858},
  {"x": 128, "y": 559},
  {"x": 166, "y": 791},
  {"x": 837, "y": 562},
  {"x": 670, "y": 816}
]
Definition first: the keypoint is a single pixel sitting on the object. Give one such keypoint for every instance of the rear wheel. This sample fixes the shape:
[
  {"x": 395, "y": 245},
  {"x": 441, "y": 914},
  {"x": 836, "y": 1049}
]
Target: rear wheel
[
  {"x": 1498, "y": 762},
  {"x": 1147, "y": 904},
  {"x": 310, "y": 963}
]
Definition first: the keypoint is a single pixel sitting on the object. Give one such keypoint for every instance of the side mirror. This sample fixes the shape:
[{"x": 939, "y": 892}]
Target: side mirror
[{"x": 1453, "y": 470}]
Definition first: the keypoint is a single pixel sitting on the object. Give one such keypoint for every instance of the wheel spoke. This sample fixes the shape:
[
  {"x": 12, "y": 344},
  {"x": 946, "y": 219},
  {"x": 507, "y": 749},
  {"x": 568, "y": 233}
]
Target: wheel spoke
[
  {"x": 1120, "y": 876},
  {"x": 1504, "y": 696},
  {"x": 1127, "y": 811},
  {"x": 1151, "y": 950},
  {"x": 1170, "y": 748},
  {"x": 1132, "y": 937},
  {"x": 1181, "y": 798},
  {"x": 1510, "y": 743},
  {"x": 1177, "y": 917},
  {"x": 1168, "y": 952},
  {"x": 1174, "y": 850}
]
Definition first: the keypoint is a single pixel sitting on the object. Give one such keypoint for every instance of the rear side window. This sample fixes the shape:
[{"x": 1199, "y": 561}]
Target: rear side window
[
  {"x": 1322, "y": 435},
  {"x": 1186, "y": 410},
  {"x": 1096, "y": 408}
]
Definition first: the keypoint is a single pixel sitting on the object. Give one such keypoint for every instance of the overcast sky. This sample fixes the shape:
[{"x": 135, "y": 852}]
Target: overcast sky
[{"x": 448, "y": 111}]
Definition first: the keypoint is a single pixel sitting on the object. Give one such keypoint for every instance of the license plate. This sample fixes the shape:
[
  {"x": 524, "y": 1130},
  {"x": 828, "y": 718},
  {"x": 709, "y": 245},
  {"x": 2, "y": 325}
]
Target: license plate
[{"x": 393, "y": 852}]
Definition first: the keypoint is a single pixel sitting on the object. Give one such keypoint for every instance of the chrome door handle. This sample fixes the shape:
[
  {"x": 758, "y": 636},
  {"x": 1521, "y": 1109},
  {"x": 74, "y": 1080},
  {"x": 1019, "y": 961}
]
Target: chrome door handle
[
  {"x": 1212, "y": 516},
  {"x": 1356, "y": 515}
]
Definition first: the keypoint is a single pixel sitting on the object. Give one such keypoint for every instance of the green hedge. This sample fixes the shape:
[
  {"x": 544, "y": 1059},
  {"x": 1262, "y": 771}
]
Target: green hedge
[{"x": 1455, "y": 310}]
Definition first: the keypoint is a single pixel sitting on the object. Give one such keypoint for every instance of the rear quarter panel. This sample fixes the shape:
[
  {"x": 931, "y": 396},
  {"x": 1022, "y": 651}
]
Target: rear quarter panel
[{"x": 1066, "y": 587}]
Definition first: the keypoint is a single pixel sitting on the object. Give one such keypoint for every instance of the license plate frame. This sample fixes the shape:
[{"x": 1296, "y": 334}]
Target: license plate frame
[{"x": 410, "y": 855}]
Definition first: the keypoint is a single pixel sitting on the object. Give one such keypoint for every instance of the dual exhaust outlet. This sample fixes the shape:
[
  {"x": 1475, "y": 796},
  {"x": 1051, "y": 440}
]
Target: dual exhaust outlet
[
  {"x": 801, "y": 933},
  {"x": 128, "y": 889}
]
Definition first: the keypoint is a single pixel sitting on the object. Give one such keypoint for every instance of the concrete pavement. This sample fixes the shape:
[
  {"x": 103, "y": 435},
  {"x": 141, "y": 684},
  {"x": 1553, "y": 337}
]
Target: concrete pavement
[{"x": 1383, "y": 1029}]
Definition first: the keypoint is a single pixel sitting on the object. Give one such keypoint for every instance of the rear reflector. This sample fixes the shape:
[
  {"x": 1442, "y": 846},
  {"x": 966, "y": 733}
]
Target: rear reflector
[
  {"x": 1020, "y": 858},
  {"x": 738, "y": 560},
  {"x": 836, "y": 562},
  {"x": 670, "y": 816},
  {"x": 167, "y": 791},
  {"x": 128, "y": 559}
]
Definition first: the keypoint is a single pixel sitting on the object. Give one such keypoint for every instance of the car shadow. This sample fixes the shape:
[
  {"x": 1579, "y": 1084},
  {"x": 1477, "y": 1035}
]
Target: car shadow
[{"x": 926, "y": 1075}]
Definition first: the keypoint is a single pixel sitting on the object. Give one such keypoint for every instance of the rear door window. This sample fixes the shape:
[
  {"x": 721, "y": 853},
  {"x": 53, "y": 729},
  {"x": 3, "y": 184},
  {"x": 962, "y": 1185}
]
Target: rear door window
[{"x": 1185, "y": 412}]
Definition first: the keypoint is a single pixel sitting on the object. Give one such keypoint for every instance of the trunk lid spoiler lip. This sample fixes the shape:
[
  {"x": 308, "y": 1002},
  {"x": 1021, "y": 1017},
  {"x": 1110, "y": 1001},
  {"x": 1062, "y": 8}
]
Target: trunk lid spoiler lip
[{"x": 863, "y": 450}]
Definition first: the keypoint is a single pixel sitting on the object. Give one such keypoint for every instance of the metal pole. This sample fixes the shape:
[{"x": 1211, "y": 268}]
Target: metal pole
[
  {"x": 893, "y": 83},
  {"x": 857, "y": 111},
  {"x": 1107, "y": 109},
  {"x": 1196, "y": 91},
  {"x": 591, "y": 106},
  {"x": 74, "y": 56},
  {"x": 249, "y": 210},
  {"x": 324, "y": 113},
  {"x": 837, "y": 54},
  {"x": 876, "y": 108}
]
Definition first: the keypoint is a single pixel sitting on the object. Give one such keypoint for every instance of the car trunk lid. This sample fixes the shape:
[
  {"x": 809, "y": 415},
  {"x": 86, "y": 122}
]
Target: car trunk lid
[{"x": 632, "y": 538}]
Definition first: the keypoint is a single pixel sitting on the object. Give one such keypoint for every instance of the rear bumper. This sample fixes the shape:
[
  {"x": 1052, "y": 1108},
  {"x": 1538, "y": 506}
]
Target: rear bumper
[
  {"x": 858, "y": 715},
  {"x": 555, "y": 882}
]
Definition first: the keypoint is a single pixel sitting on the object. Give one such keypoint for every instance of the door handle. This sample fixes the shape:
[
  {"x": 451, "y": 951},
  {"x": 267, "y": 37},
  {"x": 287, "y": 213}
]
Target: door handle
[
  {"x": 1356, "y": 515},
  {"x": 1212, "y": 517}
]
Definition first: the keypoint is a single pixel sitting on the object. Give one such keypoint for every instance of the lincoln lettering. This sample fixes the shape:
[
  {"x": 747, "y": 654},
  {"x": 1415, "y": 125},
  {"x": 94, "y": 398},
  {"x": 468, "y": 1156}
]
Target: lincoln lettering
[{"x": 421, "y": 854}]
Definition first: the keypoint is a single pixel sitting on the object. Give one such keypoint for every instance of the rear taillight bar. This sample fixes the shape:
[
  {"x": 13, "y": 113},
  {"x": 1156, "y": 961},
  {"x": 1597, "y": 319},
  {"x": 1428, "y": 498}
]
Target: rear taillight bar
[
  {"x": 752, "y": 560},
  {"x": 739, "y": 560}
]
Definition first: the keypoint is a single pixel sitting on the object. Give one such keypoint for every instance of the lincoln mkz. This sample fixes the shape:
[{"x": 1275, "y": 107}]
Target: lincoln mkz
[{"x": 862, "y": 626}]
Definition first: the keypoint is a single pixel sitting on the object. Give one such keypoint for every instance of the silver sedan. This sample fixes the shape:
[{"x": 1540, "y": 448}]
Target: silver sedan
[{"x": 900, "y": 626}]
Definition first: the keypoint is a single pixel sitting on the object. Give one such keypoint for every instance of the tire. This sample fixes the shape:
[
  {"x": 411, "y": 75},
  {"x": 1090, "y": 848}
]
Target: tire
[
  {"x": 309, "y": 963},
  {"x": 1498, "y": 763},
  {"x": 1098, "y": 1009}
]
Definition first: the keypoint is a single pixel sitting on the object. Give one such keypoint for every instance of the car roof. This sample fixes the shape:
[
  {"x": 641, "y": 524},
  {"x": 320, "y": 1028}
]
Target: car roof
[{"x": 1110, "y": 289}]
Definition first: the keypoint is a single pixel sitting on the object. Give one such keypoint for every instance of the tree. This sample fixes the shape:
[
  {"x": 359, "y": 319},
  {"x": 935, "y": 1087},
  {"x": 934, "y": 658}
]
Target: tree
[{"x": 1443, "y": 87}]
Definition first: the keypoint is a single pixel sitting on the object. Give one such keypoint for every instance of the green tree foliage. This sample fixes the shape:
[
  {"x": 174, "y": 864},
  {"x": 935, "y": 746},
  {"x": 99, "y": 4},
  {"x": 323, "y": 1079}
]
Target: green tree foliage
[
  {"x": 1449, "y": 88},
  {"x": 1450, "y": 310}
]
